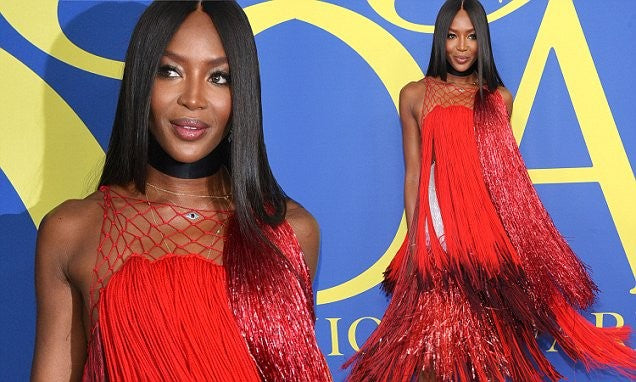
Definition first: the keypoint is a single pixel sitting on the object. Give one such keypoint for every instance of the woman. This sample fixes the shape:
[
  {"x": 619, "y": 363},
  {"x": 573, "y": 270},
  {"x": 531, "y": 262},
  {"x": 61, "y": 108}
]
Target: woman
[
  {"x": 189, "y": 262},
  {"x": 483, "y": 267}
]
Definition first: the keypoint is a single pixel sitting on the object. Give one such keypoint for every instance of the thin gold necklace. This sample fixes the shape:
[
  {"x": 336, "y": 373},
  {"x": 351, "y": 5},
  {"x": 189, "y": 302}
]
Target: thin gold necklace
[
  {"x": 154, "y": 220},
  {"x": 192, "y": 215},
  {"x": 224, "y": 197},
  {"x": 460, "y": 84}
]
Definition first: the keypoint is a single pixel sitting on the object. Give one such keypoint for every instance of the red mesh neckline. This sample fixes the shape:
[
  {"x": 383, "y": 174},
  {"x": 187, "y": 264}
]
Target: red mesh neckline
[
  {"x": 150, "y": 230},
  {"x": 445, "y": 94}
]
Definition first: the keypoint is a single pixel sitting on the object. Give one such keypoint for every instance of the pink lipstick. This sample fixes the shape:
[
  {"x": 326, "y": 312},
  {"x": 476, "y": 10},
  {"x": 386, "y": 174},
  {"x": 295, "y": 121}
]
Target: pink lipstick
[
  {"x": 462, "y": 59},
  {"x": 189, "y": 129}
]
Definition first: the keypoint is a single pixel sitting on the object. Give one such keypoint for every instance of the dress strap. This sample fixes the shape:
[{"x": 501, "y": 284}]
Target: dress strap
[
  {"x": 107, "y": 197},
  {"x": 97, "y": 281}
]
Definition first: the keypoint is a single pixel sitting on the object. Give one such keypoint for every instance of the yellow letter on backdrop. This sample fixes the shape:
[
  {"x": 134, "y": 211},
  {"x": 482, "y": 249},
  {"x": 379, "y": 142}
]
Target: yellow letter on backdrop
[{"x": 561, "y": 30}]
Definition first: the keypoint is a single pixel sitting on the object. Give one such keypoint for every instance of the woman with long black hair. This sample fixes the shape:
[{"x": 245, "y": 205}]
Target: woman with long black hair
[
  {"x": 189, "y": 262},
  {"x": 483, "y": 268}
]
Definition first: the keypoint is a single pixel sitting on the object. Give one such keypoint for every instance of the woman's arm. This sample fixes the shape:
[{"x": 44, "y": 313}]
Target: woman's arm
[
  {"x": 308, "y": 233},
  {"x": 410, "y": 104},
  {"x": 60, "y": 343},
  {"x": 507, "y": 98}
]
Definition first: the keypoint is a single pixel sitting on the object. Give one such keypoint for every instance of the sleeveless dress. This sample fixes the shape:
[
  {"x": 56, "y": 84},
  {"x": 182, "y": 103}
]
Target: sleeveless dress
[
  {"x": 159, "y": 302},
  {"x": 483, "y": 268}
]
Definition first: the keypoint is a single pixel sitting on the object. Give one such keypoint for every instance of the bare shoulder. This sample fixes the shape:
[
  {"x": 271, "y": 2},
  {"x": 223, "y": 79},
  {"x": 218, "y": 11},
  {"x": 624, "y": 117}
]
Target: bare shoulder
[
  {"x": 307, "y": 231},
  {"x": 411, "y": 100},
  {"x": 505, "y": 94},
  {"x": 507, "y": 98},
  {"x": 67, "y": 226},
  {"x": 304, "y": 224},
  {"x": 72, "y": 215},
  {"x": 413, "y": 92},
  {"x": 413, "y": 88}
]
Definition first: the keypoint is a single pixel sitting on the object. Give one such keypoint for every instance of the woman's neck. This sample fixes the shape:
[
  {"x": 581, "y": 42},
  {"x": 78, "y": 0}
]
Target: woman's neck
[
  {"x": 211, "y": 192},
  {"x": 204, "y": 167},
  {"x": 462, "y": 80}
]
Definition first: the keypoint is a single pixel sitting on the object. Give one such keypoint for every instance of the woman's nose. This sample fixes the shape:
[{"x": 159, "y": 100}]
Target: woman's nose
[
  {"x": 193, "y": 96},
  {"x": 461, "y": 44}
]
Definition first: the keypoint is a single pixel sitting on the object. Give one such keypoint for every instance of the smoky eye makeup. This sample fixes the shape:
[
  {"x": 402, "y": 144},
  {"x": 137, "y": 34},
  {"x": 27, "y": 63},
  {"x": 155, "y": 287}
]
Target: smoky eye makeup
[
  {"x": 167, "y": 71},
  {"x": 216, "y": 76},
  {"x": 220, "y": 77},
  {"x": 452, "y": 35}
]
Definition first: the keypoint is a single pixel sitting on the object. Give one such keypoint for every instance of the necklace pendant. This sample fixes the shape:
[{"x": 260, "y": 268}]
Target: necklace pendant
[{"x": 192, "y": 215}]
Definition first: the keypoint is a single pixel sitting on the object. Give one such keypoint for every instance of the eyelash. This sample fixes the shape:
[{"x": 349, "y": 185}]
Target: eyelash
[
  {"x": 164, "y": 71},
  {"x": 218, "y": 77},
  {"x": 471, "y": 36},
  {"x": 224, "y": 76}
]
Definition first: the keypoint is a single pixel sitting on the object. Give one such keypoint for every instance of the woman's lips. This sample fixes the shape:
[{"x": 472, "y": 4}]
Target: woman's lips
[
  {"x": 462, "y": 60},
  {"x": 189, "y": 129}
]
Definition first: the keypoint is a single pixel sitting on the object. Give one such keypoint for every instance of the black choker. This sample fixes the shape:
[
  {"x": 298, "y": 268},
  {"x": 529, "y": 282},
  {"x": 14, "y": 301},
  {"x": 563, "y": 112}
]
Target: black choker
[
  {"x": 204, "y": 167},
  {"x": 465, "y": 73}
]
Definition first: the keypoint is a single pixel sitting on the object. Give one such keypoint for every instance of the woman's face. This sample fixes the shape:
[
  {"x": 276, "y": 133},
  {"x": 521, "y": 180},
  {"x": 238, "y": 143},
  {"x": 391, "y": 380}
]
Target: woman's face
[
  {"x": 461, "y": 42},
  {"x": 190, "y": 99}
]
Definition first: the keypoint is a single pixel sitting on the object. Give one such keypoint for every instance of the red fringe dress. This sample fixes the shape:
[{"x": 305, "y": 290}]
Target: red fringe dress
[
  {"x": 161, "y": 310},
  {"x": 484, "y": 268}
]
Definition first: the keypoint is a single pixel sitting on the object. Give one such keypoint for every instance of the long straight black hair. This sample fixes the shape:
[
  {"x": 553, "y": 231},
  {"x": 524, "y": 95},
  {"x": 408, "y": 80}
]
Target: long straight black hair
[
  {"x": 438, "y": 66},
  {"x": 258, "y": 198}
]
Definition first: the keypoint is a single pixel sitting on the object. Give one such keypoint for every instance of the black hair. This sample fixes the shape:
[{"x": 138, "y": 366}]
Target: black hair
[
  {"x": 258, "y": 198},
  {"x": 486, "y": 70}
]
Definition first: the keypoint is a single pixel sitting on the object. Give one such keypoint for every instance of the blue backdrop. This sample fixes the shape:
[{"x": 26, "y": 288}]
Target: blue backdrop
[{"x": 331, "y": 73}]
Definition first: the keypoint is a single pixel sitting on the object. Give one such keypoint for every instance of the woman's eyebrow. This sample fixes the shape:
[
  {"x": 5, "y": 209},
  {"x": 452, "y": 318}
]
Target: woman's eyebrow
[
  {"x": 215, "y": 61},
  {"x": 455, "y": 30}
]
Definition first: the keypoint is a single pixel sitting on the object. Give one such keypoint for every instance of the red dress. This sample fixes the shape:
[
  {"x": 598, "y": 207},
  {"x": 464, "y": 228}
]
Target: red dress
[
  {"x": 483, "y": 268},
  {"x": 160, "y": 303}
]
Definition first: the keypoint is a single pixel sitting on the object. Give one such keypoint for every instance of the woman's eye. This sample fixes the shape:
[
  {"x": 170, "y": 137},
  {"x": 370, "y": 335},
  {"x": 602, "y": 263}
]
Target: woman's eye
[
  {"x": 220, "y": 78},
  {"x": 451, "y": 36},
  {"x": 168, "y": 71},
  {"x": 472, "y": 36}
]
